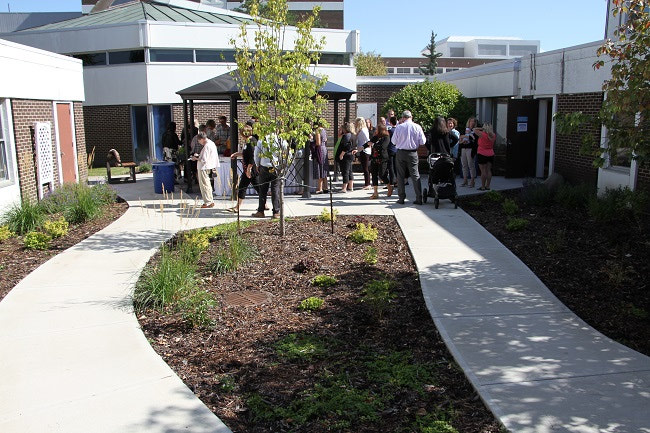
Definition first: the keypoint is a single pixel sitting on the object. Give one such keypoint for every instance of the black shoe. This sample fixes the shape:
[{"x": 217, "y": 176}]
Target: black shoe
[
  {"x": 417, "y": 202},
  {"x": 400, "y": 201}
]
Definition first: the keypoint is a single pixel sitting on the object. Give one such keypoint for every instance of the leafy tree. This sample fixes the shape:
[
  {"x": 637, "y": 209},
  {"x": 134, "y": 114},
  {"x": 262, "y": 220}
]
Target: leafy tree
[
  {"x": 274, "y": 79},
  {"x": 428, "y": 100},
  {"x": 369, "y": 64},
  {"x": 625, "y": 112},
  {"x": 432, "y": 55}
]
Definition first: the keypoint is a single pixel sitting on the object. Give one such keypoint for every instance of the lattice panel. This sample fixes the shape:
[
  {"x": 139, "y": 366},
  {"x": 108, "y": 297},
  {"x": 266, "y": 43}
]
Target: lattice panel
[{"x": 45, "y": 169}]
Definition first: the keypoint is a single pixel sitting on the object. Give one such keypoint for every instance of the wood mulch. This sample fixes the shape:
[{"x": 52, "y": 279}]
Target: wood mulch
[
  {"x": 237, "y": 358},
  {"x": 16, "y": 261}
]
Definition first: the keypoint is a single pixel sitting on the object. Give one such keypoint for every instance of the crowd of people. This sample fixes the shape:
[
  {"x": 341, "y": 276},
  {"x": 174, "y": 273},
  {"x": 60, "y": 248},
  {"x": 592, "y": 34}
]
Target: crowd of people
[{"x": 386, "y": 153}]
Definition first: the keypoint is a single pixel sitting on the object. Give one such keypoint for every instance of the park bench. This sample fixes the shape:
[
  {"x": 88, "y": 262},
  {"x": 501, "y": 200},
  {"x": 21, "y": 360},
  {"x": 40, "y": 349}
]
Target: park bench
[{"x": 113, "y": 160}]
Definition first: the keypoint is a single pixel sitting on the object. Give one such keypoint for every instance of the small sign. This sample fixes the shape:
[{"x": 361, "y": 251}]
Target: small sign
[
  {"x": 522, "y": 119},
  {"x": 522, "y": 127}
]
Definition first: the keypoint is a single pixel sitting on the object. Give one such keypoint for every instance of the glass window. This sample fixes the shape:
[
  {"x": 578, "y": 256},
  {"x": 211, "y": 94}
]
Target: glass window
[
  {"x": 456, "y": 52},
  {"x": 91, "y": 59},
  {"x": 334, "y": 59},
  {"x": 215, "y": 56},
  {"x": 390, "y": 70},
  {"x": 186, "y": 56},
  {"x": 403, "y": 70},
  {"x": 522, "y": 50},
  {"x": 491, "y": 50},
  {"x": 4, "y": 167},
  {"x": 451, "y": 69},
  {"x": 120, "y": 57}
]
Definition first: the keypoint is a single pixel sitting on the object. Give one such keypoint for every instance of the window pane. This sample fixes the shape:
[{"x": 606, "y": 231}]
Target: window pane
[
  {"x": 215, "y": 56},
  {"x": 491, "y": 50},
  {"x": 522, "y": 50},
  {"x": 390, "y": 70},
  {"x": 334, "y": 59},
  {"x": 4, "y": 170},
  {"x": 456, "y": 52},
  {"x": 119, "y": 57},
  {"x": 403, "y": 70},
  {"x": 91, "y": 59},
  {"x": 171, "y": 56}
]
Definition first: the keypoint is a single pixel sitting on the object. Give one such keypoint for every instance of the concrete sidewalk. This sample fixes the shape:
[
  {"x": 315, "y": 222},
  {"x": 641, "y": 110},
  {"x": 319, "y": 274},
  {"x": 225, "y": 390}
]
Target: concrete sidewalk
[{"x": 73, "y": 359}]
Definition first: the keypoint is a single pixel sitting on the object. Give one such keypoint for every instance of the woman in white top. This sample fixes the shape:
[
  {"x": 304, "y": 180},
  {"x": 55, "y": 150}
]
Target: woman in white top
[{"x": 363, "y": 149}]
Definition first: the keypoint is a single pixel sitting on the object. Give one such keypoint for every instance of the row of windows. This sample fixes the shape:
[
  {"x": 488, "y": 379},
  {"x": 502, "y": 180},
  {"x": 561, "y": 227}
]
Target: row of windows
[
  {"x": 496, "y": 50},
  {"x": 416, "y": 71},
  {"x": 182, "y": 56}
]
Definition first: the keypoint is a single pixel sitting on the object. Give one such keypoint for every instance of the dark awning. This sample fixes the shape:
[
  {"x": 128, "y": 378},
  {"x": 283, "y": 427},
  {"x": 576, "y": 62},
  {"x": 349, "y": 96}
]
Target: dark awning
[{"x": 224, "y": 87}]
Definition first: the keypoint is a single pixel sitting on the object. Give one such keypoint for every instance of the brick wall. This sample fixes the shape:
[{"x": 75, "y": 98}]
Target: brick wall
[
  {"x": 568, "y": 161},
  {"x": 643, "y": 178},
  {"x": 376, "y": 93},
  {"x": 108, "y": 127},
  {"x": 80, "y": 134},
  {"x": 25, "y": 113}
]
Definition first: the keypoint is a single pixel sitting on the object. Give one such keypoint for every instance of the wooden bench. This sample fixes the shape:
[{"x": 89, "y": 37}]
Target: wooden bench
[{"x": 129, "y": 179}]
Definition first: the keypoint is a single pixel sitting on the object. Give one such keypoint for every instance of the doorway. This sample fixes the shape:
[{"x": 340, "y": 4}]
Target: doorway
[
  {"x": 521, "y": 153},
  {"x": 65, "y": 139}
]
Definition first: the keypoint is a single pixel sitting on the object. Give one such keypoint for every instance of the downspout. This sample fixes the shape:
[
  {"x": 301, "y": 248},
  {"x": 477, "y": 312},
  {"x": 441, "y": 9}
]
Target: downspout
[{"x": 516, "y": 89}]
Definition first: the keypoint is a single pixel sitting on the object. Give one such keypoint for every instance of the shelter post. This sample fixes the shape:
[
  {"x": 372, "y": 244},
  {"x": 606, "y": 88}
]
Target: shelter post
[
  {"x": 234, "y": 144},
  {"x": 335, "y": 137}
]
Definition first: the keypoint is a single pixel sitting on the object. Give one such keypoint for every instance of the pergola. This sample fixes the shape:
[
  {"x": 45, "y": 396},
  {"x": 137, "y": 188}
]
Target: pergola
[{"x": 226, "y": 88}]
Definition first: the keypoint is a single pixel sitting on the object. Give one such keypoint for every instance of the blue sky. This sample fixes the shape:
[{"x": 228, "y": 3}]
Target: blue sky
[{"x": 402, "y": 28}]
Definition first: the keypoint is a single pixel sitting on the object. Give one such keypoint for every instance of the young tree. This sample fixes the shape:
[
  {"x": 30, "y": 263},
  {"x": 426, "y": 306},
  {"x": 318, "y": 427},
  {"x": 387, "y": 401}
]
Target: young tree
[
  {"x": 431, "y": 67},
  {"x": 274, "y": 65},
  {"x": 625, "y": 112},
  {"x": 369, "y": 64}
]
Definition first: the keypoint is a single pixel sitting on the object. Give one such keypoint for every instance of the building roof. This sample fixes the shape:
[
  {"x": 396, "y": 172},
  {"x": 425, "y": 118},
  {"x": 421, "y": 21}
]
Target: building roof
[{"x": 149, "y": 10}]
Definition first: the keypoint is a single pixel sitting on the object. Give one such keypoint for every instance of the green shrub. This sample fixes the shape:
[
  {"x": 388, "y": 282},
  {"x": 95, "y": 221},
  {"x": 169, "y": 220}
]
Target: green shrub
[
  {"x": 24, "y": 218},
  {"x": 574, "y": 196},
  {"x": 5, "y": 233},
  {"x": 56, "y": 228},
  {"x": 326, "y": 215},
  {"x": 237, "y": 252},
  {"x": 84, "y": 207},
  {"x": 144, "y": 167},
  {"x": 301, "y": 347},
  {"x": 494, "y": 196},
  {"x": 195, "y": 307},
  {"x": 617, "y": 205},
  {"x": 37, "y": 241},
  {"x": 102, "y": 193},
  {"x": 398, "y": 370},
  {"x": 556, "y": 243},
  {"x": 194, "y": 242},
  {"x": 324, "y": 281},
  {"x": 311, "y": 304},
  {"x": 378, "y": 295},
  {"x": 370, "y": 256},
  {"x": 66, "y": 199},
  {"x": 510, "y": 207},
  {"x": 363, "y": 234},
  {"x": 516, "y": 224},
  {"x": 431, "y": 424}
]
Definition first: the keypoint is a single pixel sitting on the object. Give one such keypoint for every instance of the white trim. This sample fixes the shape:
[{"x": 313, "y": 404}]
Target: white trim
[
  {"x": 551, "y": 157},
  {"x": 55, "y": 116},
  {"x": 6, "y": 121},
  {"x": 542, "y": 110}
]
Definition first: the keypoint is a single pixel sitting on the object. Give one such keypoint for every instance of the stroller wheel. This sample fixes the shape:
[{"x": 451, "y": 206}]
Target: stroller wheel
[
  {"x": 436, "y": 203},
  {"x": 425, "y": 195}
]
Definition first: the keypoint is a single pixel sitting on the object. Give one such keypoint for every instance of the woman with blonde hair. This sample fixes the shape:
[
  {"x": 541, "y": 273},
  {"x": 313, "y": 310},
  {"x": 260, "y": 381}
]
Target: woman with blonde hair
[
  {"x": 467, "y": 152},
  {"x": 363, "y": 149},
  {"x": 485, "y": 153}
]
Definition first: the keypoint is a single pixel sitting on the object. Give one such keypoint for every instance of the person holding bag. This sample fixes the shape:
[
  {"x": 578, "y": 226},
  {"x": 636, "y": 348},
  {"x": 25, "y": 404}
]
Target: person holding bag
[{"x": 249, "y": 174}]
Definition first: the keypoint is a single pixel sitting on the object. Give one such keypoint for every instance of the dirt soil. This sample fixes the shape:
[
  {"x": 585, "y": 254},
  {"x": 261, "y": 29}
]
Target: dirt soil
[
  {"x": 236, "y": 369},
  {"x": 595, "y": 269},
  {"x": 17, "y": 261}
]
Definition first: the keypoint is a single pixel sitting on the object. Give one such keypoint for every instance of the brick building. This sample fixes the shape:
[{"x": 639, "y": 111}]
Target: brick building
[{"x": 42, "y": 138}]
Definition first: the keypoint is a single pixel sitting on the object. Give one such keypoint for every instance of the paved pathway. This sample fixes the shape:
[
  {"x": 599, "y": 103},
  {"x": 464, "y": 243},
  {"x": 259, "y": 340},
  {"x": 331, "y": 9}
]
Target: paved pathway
[{"x": 72, "y": 354}]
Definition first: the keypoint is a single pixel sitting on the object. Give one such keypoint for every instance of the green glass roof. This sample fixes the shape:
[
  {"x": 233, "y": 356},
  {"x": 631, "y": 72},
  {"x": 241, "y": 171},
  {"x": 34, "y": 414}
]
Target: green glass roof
[{"x": 137, "y": 11}]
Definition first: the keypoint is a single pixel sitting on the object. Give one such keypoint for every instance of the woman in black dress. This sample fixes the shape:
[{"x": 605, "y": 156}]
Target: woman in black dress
[
  {"x": 249, "y": 170},
  {"x": 379, "y": 160},
  {"x": 345, "y": 155}
]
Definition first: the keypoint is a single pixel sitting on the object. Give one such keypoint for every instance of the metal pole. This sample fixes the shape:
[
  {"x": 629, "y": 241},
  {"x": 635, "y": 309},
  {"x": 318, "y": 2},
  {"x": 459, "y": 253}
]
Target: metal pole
[
  {"x": 234, "y": 144},
  {"x": 335, "y": 137},
  {"x": 306, "y": 173}
]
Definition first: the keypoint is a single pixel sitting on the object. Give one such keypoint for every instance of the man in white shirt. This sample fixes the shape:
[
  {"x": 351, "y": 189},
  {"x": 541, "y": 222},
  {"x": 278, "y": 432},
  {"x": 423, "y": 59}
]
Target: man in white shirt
[
  {"x": 207, "y": 161},
  {"x": 407, "y": 137},
  {"x": 267, "y": 176}
]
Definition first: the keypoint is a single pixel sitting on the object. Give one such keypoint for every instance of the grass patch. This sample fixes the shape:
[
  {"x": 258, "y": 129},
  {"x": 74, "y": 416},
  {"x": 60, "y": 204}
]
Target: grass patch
[
  {"x": 324, "y": 281},
  {"x": 301, "y": 347},
  {"x": 115, "y": 171},
  {"x": 494, "y": 196},
  {"x": 23, "y": 218},
  {"x": 144, "y": 167},
  {"x": 363, "y": 233},
  {"x": 236, "y": 252},
  {"x": 510, "y": 207},
  {"x": 397, "y": 370},
  {"x": 617, "y": 204},
  {"x": 311, "y": 304},
  {"x": 516, "y": 224},
  {"x": 556, "y": 243},
  {"x": 574, "y": 196},
  {"x": 537, "y": 194},
  {"x": 378, "y": 295}
]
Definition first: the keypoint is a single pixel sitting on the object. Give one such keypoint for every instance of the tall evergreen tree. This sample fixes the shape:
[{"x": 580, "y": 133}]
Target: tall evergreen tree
[{"x": 431, "y": 67}]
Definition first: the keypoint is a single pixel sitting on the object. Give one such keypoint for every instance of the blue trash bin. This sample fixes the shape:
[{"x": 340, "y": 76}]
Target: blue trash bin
[{"x": 163, "y": 177}]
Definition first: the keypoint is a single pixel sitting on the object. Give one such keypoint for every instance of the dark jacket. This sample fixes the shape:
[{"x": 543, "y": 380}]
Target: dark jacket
[
  {"x": 380, "y": 149},
  {"x": 346, "y": 146}
]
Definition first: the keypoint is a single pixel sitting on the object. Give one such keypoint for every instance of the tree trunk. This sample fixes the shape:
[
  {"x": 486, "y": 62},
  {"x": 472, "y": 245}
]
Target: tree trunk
[{"x": 282, "y": 206}]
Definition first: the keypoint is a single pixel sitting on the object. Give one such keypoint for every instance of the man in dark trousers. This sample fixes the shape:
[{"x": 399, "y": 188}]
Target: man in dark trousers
[{"x": 407, "y": 137}]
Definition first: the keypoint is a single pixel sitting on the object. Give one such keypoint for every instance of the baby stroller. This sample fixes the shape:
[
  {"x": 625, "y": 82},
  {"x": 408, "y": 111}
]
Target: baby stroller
[{"x": 442, "y": 180}]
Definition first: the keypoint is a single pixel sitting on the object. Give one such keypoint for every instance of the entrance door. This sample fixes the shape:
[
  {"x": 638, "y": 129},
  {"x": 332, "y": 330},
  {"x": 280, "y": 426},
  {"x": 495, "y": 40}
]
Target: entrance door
[
  {"x": 522, "y": 138},
  {"x": 66, "y": 143}
]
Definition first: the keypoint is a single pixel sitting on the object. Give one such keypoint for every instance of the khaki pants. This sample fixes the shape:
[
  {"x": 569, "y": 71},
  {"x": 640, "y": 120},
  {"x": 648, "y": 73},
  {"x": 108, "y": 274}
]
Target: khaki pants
[{"x": 205, "y": 186}]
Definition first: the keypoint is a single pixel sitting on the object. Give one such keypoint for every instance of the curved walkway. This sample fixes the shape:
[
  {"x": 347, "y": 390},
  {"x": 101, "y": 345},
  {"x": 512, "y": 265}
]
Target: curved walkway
[{"x": 73, "y": 358}]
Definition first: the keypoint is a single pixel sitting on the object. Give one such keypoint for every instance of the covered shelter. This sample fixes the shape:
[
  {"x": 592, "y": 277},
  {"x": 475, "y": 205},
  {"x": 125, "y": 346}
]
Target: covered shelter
[{"x": 225, "y": 87}]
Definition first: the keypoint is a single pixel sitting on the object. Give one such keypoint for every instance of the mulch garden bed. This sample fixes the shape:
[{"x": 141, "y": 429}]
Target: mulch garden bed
[
  {"x": 344, "y": 367},
  {"x": 16, "y": 261},
  {"x": 597, "y": 270}
]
